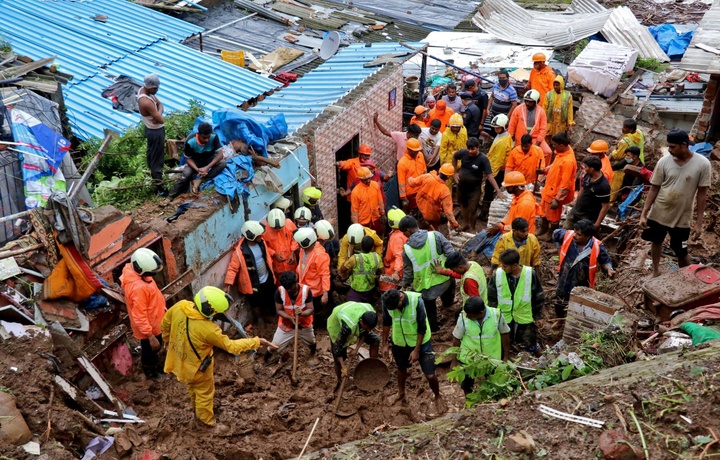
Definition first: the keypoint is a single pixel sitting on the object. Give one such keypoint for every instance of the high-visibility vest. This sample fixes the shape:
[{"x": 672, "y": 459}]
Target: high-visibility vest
[
  {"x": 362, "y": 278},
  {"x": 289, "y": 307},
  {"x": 348, "y": 313},
  {"x": 404, "y": 323},
  {"x": 594, "y": 253},
  {"x": 424, "y": 275},
  {"x": 477, "y": 274},
  {"x": 481, "y": 337},
  {"x": 515, "y": 306}
]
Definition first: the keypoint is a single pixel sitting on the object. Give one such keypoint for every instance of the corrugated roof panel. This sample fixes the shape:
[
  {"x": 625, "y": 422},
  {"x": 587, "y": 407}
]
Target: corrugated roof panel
[{"x": 707, "y": 33}]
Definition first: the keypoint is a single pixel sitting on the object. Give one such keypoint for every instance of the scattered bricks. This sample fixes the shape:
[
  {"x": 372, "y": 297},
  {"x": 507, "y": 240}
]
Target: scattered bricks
[
  {"x": 614, "y": 446},
  {"x": 715, "y": 153}
]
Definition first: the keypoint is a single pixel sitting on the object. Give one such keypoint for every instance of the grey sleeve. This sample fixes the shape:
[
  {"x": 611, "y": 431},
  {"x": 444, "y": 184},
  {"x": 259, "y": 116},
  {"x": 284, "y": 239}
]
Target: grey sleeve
[
  {"x": 407, "y": 280},
  {"x": 538, "y": 297},
  {"x": 421, "y": 315},
  {"x": 444, "y": 245}
]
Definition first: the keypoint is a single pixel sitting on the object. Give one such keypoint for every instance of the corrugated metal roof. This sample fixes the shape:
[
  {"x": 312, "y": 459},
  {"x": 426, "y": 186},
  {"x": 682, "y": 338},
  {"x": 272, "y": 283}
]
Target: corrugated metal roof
[
  {"x": 707, "y": 33},
  {"x": 307, "y": 98}
]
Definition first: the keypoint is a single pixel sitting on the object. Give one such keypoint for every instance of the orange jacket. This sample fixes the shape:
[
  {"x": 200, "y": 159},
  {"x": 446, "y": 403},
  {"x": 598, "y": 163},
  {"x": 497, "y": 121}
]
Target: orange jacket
[
  {"x": 145, "y": 303},
  {"x": 313, "y": 270},
  {"x": 518, "y": 124},
  {"x": 366, "y": 203},
  {"x": 280, "y": 241},
  {"x": 419, "y": 122},
  {"x": 443, "y": 116},
  {"x": 526, "y": 163},
  {"x": 561, "y": 176},
  {"x": 393, "y": 260},
  {"x": 523, "y": 206},
  {"x": 433, "y": 198},
  {"x": 407, "y": 167},
  {"x": 594, "y": 253},
  {"x": 542, "y": 81},
  {"x": 607, "y": 168},
  {"x": 351, "y": 166},
  {"x": 238, "y": 267}
]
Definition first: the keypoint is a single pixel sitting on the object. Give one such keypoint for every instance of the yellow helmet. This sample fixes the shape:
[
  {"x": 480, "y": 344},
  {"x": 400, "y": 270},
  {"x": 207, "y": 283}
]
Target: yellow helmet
[
  {"x": 456, "y": 120},
  {"x": 539, "y": 57},
  {"x": 211, "y": 300},
  {"x": 394, "y": 216},
  {"x": 364, "y": 173},
  {"x": 311, "y": 196}
]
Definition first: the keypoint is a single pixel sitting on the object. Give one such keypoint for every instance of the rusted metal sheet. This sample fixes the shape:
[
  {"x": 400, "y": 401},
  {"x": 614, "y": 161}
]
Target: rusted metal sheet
[{"x": 708, "y": 34}]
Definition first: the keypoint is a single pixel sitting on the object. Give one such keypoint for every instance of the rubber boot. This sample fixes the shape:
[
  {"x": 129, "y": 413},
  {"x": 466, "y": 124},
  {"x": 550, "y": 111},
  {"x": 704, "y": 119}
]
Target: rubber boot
[
  {"x": 484, "y": 210},
  {"x": 543, "y": 227}
]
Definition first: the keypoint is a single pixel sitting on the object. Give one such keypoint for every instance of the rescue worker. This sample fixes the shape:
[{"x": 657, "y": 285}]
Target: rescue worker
[
  {"x": 252, "y": 267},
  {"x": 529, "y": 118},
  {"x": 433, "y": 197},
  {"x": 326, "y": 237},
  {"x": 470, "y": 273},
  {"x": 559, "y": 109},
  {"x": 404, "y": 314},
  {"x": 580, "y": 255},
  {"x": 479, "y": 98},
  {"x": 145, "y": 306},
  {"x": 284, "y": 204},
  {"x": 559, "y": 184},
  {"x": 420, "y": 252},
  {"x": 399, "y": 137},
  {"x": 412, "y": 164},
  {"x": 294, "y": 303},
  {"x": 362, "y": 269},
  {"x": 593, "y": 201},
  {"x": 518, "y": 293},
  {"x": 203, "y": 160},
  {"x": 353, "y": 164},
  {"x": 348, "y": 323},
  {"x": 497, "y": 155},
  {"x": 479, "y": 331},
  {"x": 278, "y": 238},
  {"x": 367, "y": 207},
  {"x": 393, "y": 260},
  {"x": 453, "y": 139},
  {"x": 421, "y": 117},
  {"x": 541, "y": 78},
  {"x": 527, "y": 159},
  {"x": 472, "y": 115},
  {"x": 631, "y": 137},
  {"x": 523, "y": 204},
  {"x": 442, "y": 113},
  {"x": 519, "y": 238},
  {"x": 313, "y": 268},
  {"x": 311, "y": 198},
  {"x": 188, "y": 330},
  {"x": 599, "y": 148},
  {"x": 303, "y": 218}
]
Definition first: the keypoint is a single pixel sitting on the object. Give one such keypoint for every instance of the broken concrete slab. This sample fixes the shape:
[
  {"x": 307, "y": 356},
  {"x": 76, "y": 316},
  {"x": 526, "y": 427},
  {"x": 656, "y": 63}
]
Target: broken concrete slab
[
  {"x": 600, "y": 66},
  {"x": 594, "y": 111},
  {"x": 589, "y": 310}
]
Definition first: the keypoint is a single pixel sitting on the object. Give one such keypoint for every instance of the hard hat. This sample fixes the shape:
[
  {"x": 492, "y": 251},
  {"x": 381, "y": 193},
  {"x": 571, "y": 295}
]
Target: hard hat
[
  {"x": 211, "y": 300},
  {"x": 252, "y": 229},
  {"x": 282, "y": 203},
  {"x": 355, "y": 233},
  {"x": 305, "y": 237},
  {"x": 447, "y": 169},
  {"x": 145, "y": 262},
  {"x": 364, "y": 173},
  {"x": 514, "y": 178},
  {"x": 532, "y": 95},
  {"x": 303, "y": 213},
  {"x": 311, "y": 196},
  {"x": 365, "y": 149},
  {"x": 539, "y": 57},
  {"x": 598, "y": 146},
  {"x": 455, "y": 120},
  {"x": 394, "y": 216},
  {"x": 420, "y": 109},
  {"x": 324, "y": 230},
  {"x": 413, "y": 144},
  {"x": 499, "y": 121},
  {"x": 276, "y": 218}
]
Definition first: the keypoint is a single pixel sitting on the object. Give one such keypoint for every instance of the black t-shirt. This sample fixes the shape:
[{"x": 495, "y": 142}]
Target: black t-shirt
[
  {"x": 481, "y": 99},
  {"x": 471, "y": 119},
  {"x": 473, "y": 169},
  {"x": 203, "y": 157},
  {"x": 591, "y": 198}
]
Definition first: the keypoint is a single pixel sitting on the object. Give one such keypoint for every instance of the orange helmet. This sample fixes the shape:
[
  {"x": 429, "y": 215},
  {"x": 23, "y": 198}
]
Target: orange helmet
[
  {"x": 598, "y": 146},
  {"x": 539, "y": 57},
  {"x": 447, "y": 169},
  {"x": 365, "y": 149},
  {"x": 364, "y": 173},
  {"x": 419, "y": 110},
  {"x": 513, "y": 179},
  {"x": 413, "y": 144}
]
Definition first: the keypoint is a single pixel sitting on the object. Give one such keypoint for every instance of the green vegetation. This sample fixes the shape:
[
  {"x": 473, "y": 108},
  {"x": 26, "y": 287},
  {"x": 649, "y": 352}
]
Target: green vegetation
[
  {"x": 579, "y": 46},
  {"x": 122, "y": 178},
  {"x": 5, "y": 46},
  {"x": 650, "y": 64}
]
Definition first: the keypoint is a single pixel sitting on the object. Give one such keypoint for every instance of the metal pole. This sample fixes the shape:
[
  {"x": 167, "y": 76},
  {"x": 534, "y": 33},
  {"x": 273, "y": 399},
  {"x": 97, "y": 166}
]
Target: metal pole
[
  {"x": 13, "y": 216},
  {"x": 447, "y": 63},
  {"x": 208, "y": 32},
  {"x": 75, "y": 189}
]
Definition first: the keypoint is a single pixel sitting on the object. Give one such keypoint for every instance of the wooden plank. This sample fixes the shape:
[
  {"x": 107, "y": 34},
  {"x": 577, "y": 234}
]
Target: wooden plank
[{"x": 21, "y": 70}]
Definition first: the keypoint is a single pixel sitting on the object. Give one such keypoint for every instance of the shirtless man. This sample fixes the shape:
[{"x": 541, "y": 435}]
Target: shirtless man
[{"x": 151, "y": 110}]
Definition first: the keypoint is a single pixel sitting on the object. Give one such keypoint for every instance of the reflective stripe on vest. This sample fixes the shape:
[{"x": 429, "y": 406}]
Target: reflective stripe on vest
[
  {"x": 476, "y": 274},
  {"x": 594, "y": 253},
  {"x": 362, "y": 278},
  {"x": 404, "y": 325},
  {"x": 513, "y": 307},
  {"x": 349, "y": 314},
  {"x": 483, "y": 338},
  {"x": 424, "y": 276},
  {"x": 289, "y": 307}
]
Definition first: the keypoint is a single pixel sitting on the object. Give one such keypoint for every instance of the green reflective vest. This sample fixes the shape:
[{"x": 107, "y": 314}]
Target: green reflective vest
[
  {"x": 404, "y": 323},
  {"x": 477, "y": 274},
  {"x": 516, "y": 306},
  {"x": 348, "y": 313},
  {"x": 424, "y": 276},
  {"x": 481, "y": 337},
  {"x": 362, "y": 278}
]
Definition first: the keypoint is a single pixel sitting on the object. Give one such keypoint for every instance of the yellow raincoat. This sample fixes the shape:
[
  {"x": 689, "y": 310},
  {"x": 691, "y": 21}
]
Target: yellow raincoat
[
  {"x": 635, "y": 139},
  {"x": 451, "y": 143},
  {"x": 559, "y": 110},
  {"x": 182, "y": 361}
]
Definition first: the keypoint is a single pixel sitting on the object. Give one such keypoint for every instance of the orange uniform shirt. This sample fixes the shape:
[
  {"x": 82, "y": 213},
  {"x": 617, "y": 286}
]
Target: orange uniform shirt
[
  {"x": 409, "y": 167},
  {"x": 526, "y": 163},
  {"x": 280, "y": 241},
  {"x": 433, "y": 198},
  {"x": 561, "y": 176},
  {"x": 366, "y": 203},
  {"x": 351, "y": 166},
  {"x": 519, "y": 124},
  {"x": 145, "y": 303},
  {"x": 542, "y": 81},
  {"x": 525, "y": 206},
  {"x": 313, "y": 270},
  {"x": 443, "y": 116}
]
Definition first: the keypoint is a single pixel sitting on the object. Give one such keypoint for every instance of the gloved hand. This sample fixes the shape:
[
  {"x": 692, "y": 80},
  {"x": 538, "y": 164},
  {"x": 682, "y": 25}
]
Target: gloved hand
[{"x": 344, "y": 371}]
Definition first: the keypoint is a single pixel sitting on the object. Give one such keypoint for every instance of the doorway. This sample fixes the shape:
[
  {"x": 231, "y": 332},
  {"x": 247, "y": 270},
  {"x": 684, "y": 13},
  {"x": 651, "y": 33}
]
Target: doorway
[{"x": 346, "y": 152}]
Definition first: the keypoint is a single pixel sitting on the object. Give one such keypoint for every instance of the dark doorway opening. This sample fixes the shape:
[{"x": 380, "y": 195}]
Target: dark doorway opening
[{"x": 347, "y": 151}]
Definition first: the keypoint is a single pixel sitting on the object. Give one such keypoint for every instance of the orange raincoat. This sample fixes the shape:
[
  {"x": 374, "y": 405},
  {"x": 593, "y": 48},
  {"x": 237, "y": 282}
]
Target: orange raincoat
[{"x": 145, "y": 303}]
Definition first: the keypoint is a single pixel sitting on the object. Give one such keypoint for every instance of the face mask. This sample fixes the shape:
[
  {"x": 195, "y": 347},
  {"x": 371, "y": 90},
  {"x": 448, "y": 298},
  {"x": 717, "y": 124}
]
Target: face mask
[
  {"x": 503, "y": 82},
  {"x": 628, "y": 160}
]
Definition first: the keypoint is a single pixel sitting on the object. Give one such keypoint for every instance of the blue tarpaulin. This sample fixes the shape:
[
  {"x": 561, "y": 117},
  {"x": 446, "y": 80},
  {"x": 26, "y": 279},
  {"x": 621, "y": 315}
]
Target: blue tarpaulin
[
  {"x": 231, "y": 124},
  {"x": 229, "y": 181},
  {"x": 673, "y": 43}
]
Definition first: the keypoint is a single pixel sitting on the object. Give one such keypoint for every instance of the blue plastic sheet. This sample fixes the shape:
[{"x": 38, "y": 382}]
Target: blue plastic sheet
[
  {"x": 702, "y": 148},
  {"x": 482, "y": 244},
  {"x": 673, "y": 43},
  {"x": 228, "y": 182},
  {"x": 231, "y": 124},
  {"x": 624, "y": 209}
]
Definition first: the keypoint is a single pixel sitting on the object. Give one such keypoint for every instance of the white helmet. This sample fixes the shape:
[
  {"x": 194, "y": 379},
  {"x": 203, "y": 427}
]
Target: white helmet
[
  {"x": 303, "y": 213},
  {"x": 276, "y": 218},
  {"x": 145, "y": 262},
  {"x": 324, "y": 230},
  {"x": 532, "y": 95},
  {"x": 499, "y": 121},
  {"x": 305, "y": 237},
  {"x": 282, "y": 203},
  {"x": 355, "y": 233},
  {"x": 252, "y": 229}
]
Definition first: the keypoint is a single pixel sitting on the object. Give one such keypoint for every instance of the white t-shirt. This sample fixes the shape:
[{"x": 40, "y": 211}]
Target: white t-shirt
[
  {"x": 429, "y": 142},
  {"x": 260, "y": 265},
  {"x": 678, "y": 185}
]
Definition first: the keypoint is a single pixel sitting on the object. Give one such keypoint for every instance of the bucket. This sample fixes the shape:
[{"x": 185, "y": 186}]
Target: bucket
[
  {"x": 412, "y": 82},
  {"x": 371, "y": 374}
]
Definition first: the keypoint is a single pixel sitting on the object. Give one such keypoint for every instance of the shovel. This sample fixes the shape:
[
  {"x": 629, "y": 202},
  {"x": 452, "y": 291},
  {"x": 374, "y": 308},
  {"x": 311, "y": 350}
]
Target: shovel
[
  {"x": 294, "y": 368},
  {"x": 344, "y": 381}
]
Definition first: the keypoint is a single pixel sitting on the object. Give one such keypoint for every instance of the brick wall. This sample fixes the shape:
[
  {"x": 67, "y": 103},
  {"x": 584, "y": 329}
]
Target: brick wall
[
  {"x": 333, "y": 129},
  {"x": 702, "y": 123}
]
